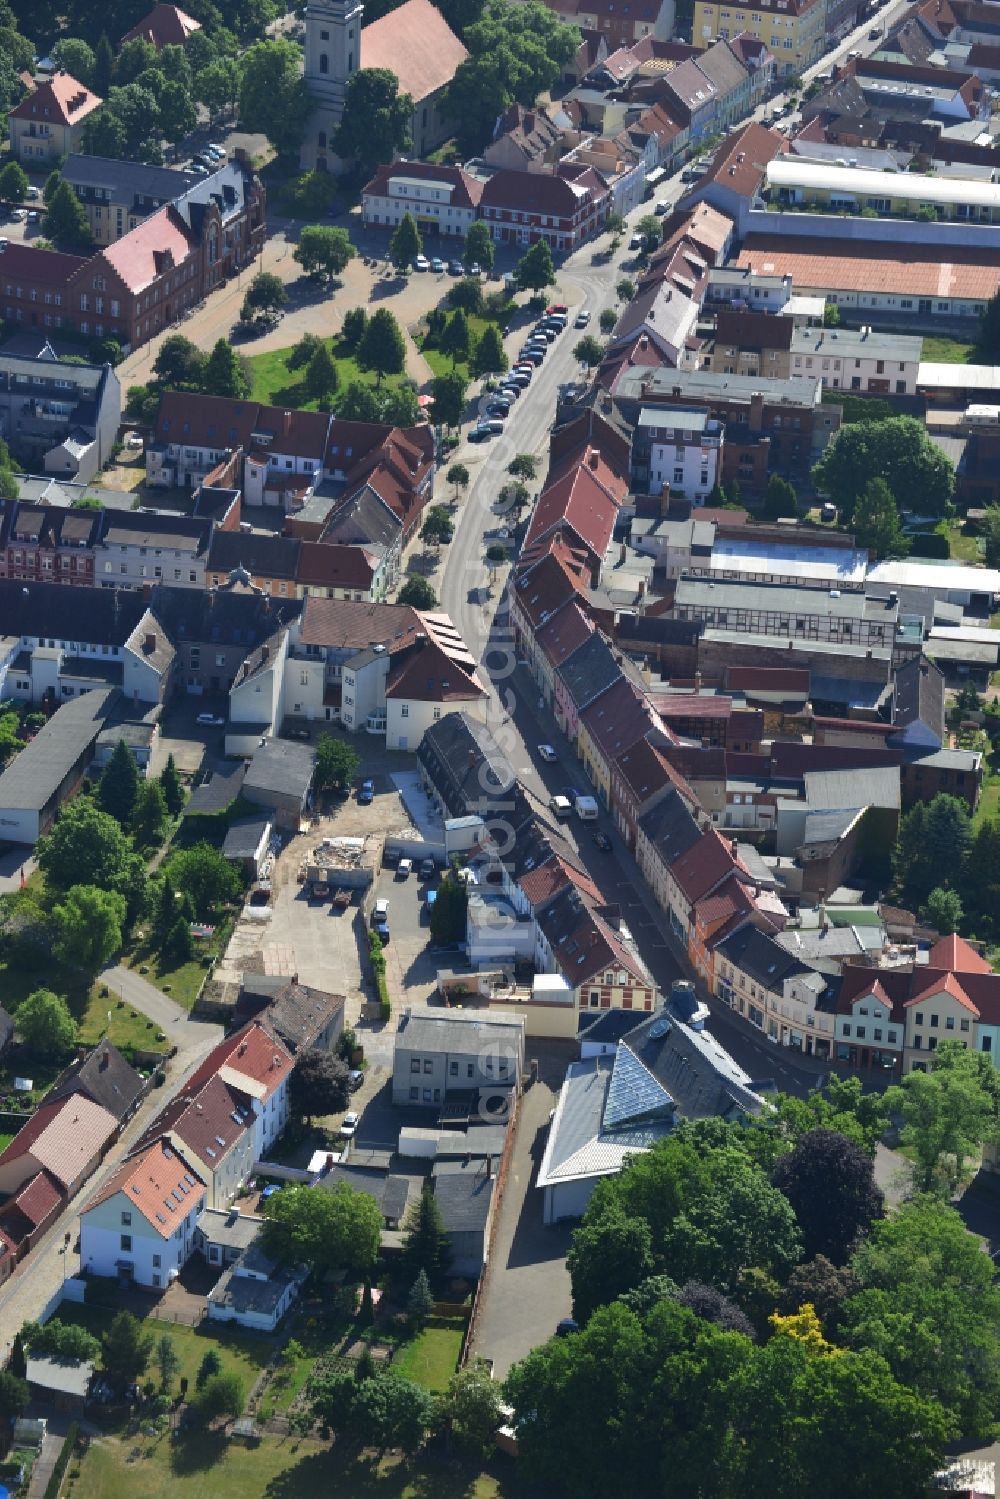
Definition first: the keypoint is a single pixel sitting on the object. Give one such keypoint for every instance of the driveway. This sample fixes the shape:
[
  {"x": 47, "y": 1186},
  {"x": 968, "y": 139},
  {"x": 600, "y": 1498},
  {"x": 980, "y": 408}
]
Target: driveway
[
  {"x": 527, "y": 1289},
  {"x": 158, "y": 1007}
]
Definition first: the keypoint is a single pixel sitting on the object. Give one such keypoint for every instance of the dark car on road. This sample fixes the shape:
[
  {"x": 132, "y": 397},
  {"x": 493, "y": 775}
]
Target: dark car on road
[
  {"x": 366, "y": 793},
  {"x": 603, "y": 842}
]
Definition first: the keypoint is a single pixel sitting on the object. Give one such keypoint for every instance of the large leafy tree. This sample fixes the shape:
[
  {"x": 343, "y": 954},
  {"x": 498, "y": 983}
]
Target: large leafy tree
[
  {"x": 265, "y": 295},
  {"x": 14, "y": 182},
  {"x": 420, "y": 595},
  {"x": 479, "y": 246},
  {"x": 337, "y": 762},
  {"x": 180, "y": 364},
  {"x": 471, "y": 1409},
  {"x": 65, "y": 221},
  {"x": 225, "y": 374},
  {"x": 454, "y": 339},
  {"x": 740, "y": 1223},
  {"x": 332, "y": 1228},
  {"x": 324, "y": 251},
  {"x": 449, "y": 393},
  {"x": 946, "y": 1113},
  {"x": 119, "y": 785},
  {"x": 90, "y": 924},
  {"x": 273, "y": 95},
  {"x": 45, "y": 1024},
  {"x": 897, "y": 451},
  {"x": 933, "y": 837},
  {"x": 319, "y": 1083},
  {"x": 390, "y": 1411},
  {"x": 610, "y": 1255},
  {"x": 376, "y": 122},
  {"x": 830, "y": 1184},
  {"x": 406, "y": 242},
  {"x": 489, "y": 357},
  {"x": 536, "y": 269},
  {"x": 87, "y": 847},
  {"x": 516, "y": 52},
  {"x": 321, "y": 377},
  {"x": 127, "y": 1350},
  {"x": 201, "y": 873},
  {"x": 929, "y": 1305}
]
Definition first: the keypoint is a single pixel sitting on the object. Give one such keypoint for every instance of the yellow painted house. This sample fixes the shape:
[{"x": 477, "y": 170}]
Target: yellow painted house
[{"x": 794, "y": 30}]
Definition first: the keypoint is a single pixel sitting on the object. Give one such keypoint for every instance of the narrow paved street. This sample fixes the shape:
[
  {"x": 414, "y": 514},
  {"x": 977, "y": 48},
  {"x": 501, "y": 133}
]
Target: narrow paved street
[{"x": 158, "y": 1007}]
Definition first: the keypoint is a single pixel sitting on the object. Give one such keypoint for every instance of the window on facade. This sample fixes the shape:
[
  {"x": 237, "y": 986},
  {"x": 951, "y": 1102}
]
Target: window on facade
[
  {"x": 414, "y": 1064},
  {"x": 934, "y": 1021},
  {"x": 126, "y": 1220},
  {"x": 428, "y": 1065},
  {"x": 156, "y": 1259},
  {"x": 126, "y": 1243}
]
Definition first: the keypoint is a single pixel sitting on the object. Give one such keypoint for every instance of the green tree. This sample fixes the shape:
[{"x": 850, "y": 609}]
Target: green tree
[
  {"x": 265, "y": 296},
  {"x": 65, "y": 222},
  {"x": 202, "y": 873},
  {"x": 438, "y": 528},
  {"x": 425, "y": 1242},
  {"x": 303, "y": 351},
  {"x": 321, "y": 378},
  {"x": 876, "y": 521},
  {"x": 127, "y": 1350},
  {"x": 45, "y": 1024},
  {"x": 467, "y": 293},
  {"x": 314, "y": 194},
  {"x": 359, "y": 403},
  {"x": 324, "y": 251},
  {"x": 273, "y": 96},
  {"x": 610, "y": 1254},
  {"x": 830, "y": 1183},
  {"x": 900, "y": 452},
  {"x": 354, "y": 325},
  {"x": 167, "y": 1361},
  {"x": 990, "y": 528},
  {"x": 929, "y": 1305},
  {"x": 589, "y": 351},
  {"x": 337, "y": 762},
  {"x": 489, "y": 357},
  {"x": 946, "y": 1114},
  {"x": 221, "y": 1395},
  {"x": 13, "y": 1396},
  {"x": 420, "y": 1302},
  {"x": 133, "y": 58},
  {"x": 536, "y": 269},
  {"x": 149, "y": 815},
  {"x": 390, "y": 1411},
  {"x": 455, "y": 338},
  {"x": 104, "y": 61},
  {"x": 178, "y": 943},
  {"x": 375, "y": 126},
  {"x": 625, "y": 289},
  {"x": 933, "y": 836},
  {"x": 458, "y": 477},
  {"x": 988, "y": 345},
  {"x": 607, "y": 320},
  {"x": 119, "y": 785},
  {"x": 225, "y": 374},
  {"x": 333, "y": 1228},
  {"x": 172, "y": 787},
  {"x": 780, "y": 499},
  {"x": 217, "y": 86},
  {"x": 178, "y": 115},
  {"x": 406, "y": 242},
  {"x": 471, "y": 1408},
  {"x": 90, "y": 924},
  {"x": 210, "y": 1365},
  {"x": 448, "y": 915},
  {"x": 981, "y": 877},
  {"x": 52, "y": 181},
  {"x": 479, "y": 247},
  {"x": 516, "y": 52},
  {"x": 319, "y": 1084},
  {"x": 512, "y": 499},
  {"x": 418, "y": 593},
  {"x": 449, "y": 394},
  {"x": 650, "y": 228},
  {"x": 14, "y": 182},
  {"x": 180, "y": 364},
  {"x": 62, "y": 1340},
  {"x": 523, "y": 466},
  {"x": 944, "y": 910},
  {"x": 382, "y": 349}
]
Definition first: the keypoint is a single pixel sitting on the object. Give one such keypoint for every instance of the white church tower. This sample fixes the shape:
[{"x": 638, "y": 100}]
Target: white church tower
[{"x": 332, "y": 55}]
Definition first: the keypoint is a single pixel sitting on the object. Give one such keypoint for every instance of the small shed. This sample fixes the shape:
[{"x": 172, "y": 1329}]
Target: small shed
[
  {"x": 246, "y": 844},
  {"x": 63, "y": 1383},
  {"x": 279, "y": 777}
]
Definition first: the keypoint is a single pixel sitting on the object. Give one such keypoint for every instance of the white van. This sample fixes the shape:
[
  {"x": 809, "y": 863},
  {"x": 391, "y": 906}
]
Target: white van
[
  {"x": 560, "y": 805},
  {"x": 587, "y": 808},
  {"x": 380, "y": 912}
]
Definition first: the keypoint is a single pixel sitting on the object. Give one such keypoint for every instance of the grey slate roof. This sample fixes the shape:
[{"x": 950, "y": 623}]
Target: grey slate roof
[
  {"x": 218, "y": 792},
  {"x": 440, "y": 1031},
  {"x": 670, "y": 827},
  {"x": 463, "y": 1194},
  {"x": 105, "y": 1077},
  {"x": 920, "y": 695},
  {"x": 126, "y": 179},
  {"x": 34, "y": 776},
  {"x": 589, "y": 671},
  {"x": 281, "y": 766},
  {"x": 229, "y": 1227},
  {"x": 465, "y": 764},
  {"x": 701, "y": 1077},
  {"x": 244, "y": 836},
  {"x": 297, "y": 1014},
  {"x": 833, "y": 790},
  {"x": 758, "y": 955}
]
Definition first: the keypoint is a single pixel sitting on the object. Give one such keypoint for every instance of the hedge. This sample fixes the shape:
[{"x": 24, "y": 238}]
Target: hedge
[
  {"x": 62, "y": 1462},
  {"x": 929, "y": 544}
]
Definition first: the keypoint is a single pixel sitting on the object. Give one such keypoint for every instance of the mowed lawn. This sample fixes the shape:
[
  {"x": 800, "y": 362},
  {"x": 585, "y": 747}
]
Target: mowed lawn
[
  {"x": 276, "y": 385},
  {"x": 938, "y": 350},
  {"x": 431, "y": 1358},
  {"x": 205, "y": 1463},
  {"x": 241, "y": 1353},
  {"x": 442, "y": 364}
]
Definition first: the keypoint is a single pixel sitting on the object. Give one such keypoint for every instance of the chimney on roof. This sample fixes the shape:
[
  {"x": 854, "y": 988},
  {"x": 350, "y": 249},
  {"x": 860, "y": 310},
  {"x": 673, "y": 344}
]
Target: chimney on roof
[
  {"x": 734, "y": 848},
  {"x": 757, "y": 411},
  {"x": 242, "y": 1049},
  {"x": 594, "y": 458}
]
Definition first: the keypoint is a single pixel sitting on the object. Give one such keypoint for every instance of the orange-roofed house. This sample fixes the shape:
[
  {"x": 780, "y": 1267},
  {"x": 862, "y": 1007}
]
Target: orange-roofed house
[
  {"x": 67, "y": 1140},
  {"x": 165, "y": 26},
  {"x": 139, "y": 1226},
  {"x": 414, "y": 42},
  {"x": 256, "y": 1066},
  {"x": 48, "y": 123}
]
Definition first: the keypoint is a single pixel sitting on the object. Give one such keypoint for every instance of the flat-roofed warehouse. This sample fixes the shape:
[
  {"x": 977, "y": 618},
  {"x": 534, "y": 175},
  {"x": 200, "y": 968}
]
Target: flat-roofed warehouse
[{"x": 51, "y": 766}]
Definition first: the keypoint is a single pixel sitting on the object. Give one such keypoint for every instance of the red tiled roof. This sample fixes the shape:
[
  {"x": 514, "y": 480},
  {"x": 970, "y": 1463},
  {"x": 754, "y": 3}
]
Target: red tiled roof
[
  {"x": 898, "y": 267},
  {"x": 158, "y": 1183},
  {"x": 62, "y": 99},
  {"x": 415, "y": 43},
  {"x": 704, "y": 865},
  {"x": 154, "y": 246},
  {"x": 580, "y": 501},
  {"x": 37, "y": 1198},
  {"x": 741, "y": 161},
  {"x": 205, "y": 1123},
  {"x": 165, "y": 26},
  {"x": 618, "y": 718},
  {"x": 563, "y": 634},
  {"x": 250, "y": 1052},
  {"x": 540, "y": 192},
  {"x": 541, "y": 884},
  {"x": 428, "y": 674},
  {"x": 545, "y": 583},
  {"x": 955, "y": 953},
  {"x": 327, "y": 564},
  {"x": 44, "y": 267},
  {"x": 645, "y": 769},
  {"x": 63, "y": 1137},
  {"x": 948, "y": 985},
  {"x": 343, "y": 623}
]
